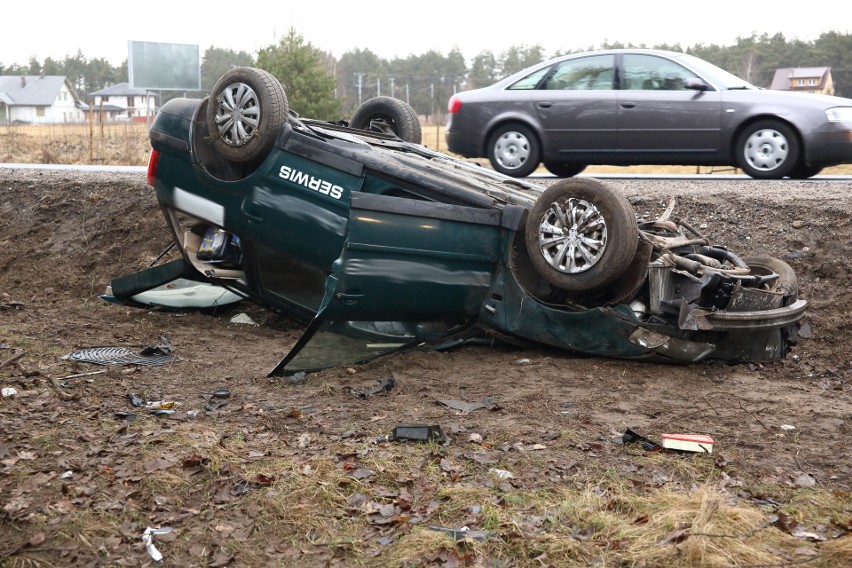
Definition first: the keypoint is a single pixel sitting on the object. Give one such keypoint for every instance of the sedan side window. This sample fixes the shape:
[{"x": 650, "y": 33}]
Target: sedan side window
[
  {"x": 651, "y": 73},
  {"x": 593, "y": 73},
  {"x": 530, "y": 82}
]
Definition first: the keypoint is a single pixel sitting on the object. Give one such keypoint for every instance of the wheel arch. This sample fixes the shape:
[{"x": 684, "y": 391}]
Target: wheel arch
[
  {"x": 504, "y": 120},
  {"x": 735, "y": 134}
]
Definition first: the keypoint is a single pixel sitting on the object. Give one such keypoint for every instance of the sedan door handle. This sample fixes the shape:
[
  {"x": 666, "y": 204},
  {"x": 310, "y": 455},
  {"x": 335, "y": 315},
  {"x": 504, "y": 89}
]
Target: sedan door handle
[
  {"x": 545, "y": 105},
  {"x": 628, "y": 104}
]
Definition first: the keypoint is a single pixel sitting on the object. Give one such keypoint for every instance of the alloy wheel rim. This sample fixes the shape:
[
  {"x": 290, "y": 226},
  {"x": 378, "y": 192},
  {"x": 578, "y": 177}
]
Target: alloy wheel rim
[
  {"x": 237, "y": 114},
  {"x": 572, "y": 235}
]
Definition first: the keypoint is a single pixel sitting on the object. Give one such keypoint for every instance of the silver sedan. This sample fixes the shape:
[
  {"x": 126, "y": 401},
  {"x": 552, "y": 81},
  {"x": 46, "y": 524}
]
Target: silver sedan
[{"x": 638, "y": 106}]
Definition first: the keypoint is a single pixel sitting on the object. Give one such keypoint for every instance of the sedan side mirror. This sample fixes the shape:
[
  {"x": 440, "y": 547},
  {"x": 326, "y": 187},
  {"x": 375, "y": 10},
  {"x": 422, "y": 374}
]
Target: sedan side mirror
[{"x": 696, "y": 84}]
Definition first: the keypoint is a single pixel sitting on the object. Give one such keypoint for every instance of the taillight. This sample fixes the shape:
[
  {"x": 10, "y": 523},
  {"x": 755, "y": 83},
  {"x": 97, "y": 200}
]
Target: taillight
[
  {"x": 153, "y": 162},
  {"x": 455, "y": 105}
]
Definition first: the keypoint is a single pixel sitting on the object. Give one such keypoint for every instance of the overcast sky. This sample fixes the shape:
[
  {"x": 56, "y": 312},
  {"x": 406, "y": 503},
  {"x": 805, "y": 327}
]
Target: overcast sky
[{"x": 50, "y": 28}]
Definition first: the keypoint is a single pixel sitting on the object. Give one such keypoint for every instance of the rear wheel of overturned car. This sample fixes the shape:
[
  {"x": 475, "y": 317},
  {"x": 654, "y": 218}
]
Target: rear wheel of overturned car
[
  {"x": 767, "y": 149},
  {"x": 513, "y": 149},
  {"x": 786, "y": 284},
  {"x": 246, "y": 108},
  {"x": 581, "y": 235},
  {"x": 388, "y": 115},
  {"x": 564, "y": 169}
]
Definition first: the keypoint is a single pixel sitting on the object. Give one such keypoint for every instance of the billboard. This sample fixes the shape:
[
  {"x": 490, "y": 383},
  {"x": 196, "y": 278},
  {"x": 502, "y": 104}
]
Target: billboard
[{"x": 163, "y": 66}]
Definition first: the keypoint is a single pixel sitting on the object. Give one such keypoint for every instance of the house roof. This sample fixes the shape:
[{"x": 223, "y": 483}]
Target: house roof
[
  {"x": 30, "y": 90},
  {"x": 122, "y": 89},
  {"x": 783, "y": 76}
]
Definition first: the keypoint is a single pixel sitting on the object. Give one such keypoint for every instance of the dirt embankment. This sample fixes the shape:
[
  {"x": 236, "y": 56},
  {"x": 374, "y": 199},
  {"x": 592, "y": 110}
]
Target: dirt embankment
[{"x": 65, "y": 235}]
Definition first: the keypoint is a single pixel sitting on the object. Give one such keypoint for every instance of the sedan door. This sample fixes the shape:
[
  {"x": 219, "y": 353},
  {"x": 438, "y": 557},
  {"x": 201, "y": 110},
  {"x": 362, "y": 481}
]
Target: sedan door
[
  {"x": 659, "y": 119},
  {"x": 576, "y": 106}
]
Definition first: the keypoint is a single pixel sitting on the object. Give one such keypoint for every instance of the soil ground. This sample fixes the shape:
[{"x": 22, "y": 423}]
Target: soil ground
[{"x": 555, "y": 418}]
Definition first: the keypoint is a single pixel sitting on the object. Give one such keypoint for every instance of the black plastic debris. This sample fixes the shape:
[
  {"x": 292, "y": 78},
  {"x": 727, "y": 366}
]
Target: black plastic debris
[
  {"x": 385, "y": 385},
  {"x": 418, "y": 433},
  {"x": 630, "y": 437}
]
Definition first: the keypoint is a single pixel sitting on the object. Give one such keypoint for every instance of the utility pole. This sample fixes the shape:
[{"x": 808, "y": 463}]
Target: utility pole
[
  {"x": 360, "y": 77},
  {"x": 391, "y": 80},
  {"x": 378, "y": 87}
]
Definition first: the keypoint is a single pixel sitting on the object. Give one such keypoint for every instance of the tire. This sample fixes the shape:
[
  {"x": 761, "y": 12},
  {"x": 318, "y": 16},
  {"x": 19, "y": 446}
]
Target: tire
[
  {"x": 388, "y": 115},
  {"x": 564, "y": 169},
  {"x": 247, "y": 108},
  {"x": 581, "y": 235},
  {"x": 787, "y": 282},
  {"x": 804, "y": 172},
  {"x": 514, "y": 150},
  {"x": 767, "y": 149}
]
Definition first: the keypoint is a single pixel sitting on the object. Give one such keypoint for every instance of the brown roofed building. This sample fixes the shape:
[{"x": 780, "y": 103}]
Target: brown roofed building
[{"x": 804, "y": 79}]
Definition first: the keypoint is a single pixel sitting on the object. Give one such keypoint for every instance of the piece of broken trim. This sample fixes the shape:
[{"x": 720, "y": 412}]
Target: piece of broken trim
[
  {"x": 118, "y": 356},
  {"x": 183, "y": 293},
  {"x": 688, "y": 443}
]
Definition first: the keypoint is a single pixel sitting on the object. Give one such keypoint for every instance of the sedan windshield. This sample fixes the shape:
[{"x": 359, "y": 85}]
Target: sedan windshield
[{"x": 715, "y": 75}]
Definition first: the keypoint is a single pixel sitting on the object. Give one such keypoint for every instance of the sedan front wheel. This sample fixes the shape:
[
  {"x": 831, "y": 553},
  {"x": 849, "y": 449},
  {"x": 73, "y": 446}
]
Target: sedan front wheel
[{"x": 767, "y": 149}]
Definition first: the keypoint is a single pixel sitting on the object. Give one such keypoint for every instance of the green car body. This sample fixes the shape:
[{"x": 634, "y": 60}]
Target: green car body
[{"x": 380, "y": 244}]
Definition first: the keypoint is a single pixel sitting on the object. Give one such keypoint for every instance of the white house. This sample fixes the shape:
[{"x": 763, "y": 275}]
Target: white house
[
  {"x": 124, "y": 102},
  {"x": 38, "y": 99}
]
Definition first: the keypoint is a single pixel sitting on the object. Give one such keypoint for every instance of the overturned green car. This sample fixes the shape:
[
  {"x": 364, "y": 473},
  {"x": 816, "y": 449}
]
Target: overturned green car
[{"x": 380, "y": 244}]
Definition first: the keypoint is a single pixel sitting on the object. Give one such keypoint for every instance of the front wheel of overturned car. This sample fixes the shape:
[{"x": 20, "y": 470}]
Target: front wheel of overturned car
[
  {"x": 767, "y": 149},
  {"x": 247, "y": 107},
  {"x": 513, "y": 150},
  {"x": 388, "y": 115},
  {"x": 581, "y": 235}
]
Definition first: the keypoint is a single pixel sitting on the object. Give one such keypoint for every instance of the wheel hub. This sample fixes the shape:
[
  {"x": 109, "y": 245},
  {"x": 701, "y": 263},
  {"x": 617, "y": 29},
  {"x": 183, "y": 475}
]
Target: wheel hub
[
  {"x": 237, "y": 114},
  {"x": 512, "y": 150},
  {"x": 766, "y": 149},
  {"x": 572, "y": 236}
]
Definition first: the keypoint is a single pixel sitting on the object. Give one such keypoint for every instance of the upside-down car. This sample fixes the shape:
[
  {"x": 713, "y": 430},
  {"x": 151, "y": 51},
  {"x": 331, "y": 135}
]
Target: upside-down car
[{"x": 380, "y": 244}]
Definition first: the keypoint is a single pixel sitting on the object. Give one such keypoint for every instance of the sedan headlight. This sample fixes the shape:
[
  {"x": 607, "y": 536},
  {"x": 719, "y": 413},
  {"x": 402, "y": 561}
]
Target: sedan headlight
[{"x": 839, "y": 114}]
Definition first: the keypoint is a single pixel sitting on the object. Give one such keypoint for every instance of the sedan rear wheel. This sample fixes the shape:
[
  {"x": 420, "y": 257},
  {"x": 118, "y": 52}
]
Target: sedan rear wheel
[
  {"x": 246, "y": 108},
  {"x": 768, "y": 149},
  {"x": 581, "y": 235},
  {"x": 514, "y": 150}
]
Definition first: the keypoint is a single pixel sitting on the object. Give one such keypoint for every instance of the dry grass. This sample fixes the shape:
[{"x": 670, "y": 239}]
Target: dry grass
[
  {"x": 127, "y": 144},
  {"x": 311, "y": 500}
]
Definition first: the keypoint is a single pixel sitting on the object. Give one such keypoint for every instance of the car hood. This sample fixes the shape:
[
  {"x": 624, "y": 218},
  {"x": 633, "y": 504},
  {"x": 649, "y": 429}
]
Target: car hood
[{"x": 786, "y": 98}]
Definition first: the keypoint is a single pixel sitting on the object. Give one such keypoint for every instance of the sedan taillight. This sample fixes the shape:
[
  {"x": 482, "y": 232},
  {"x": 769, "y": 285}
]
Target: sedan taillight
[
  {"x": 454, "y": 105},
  {"x": 153, "y": 162}
]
